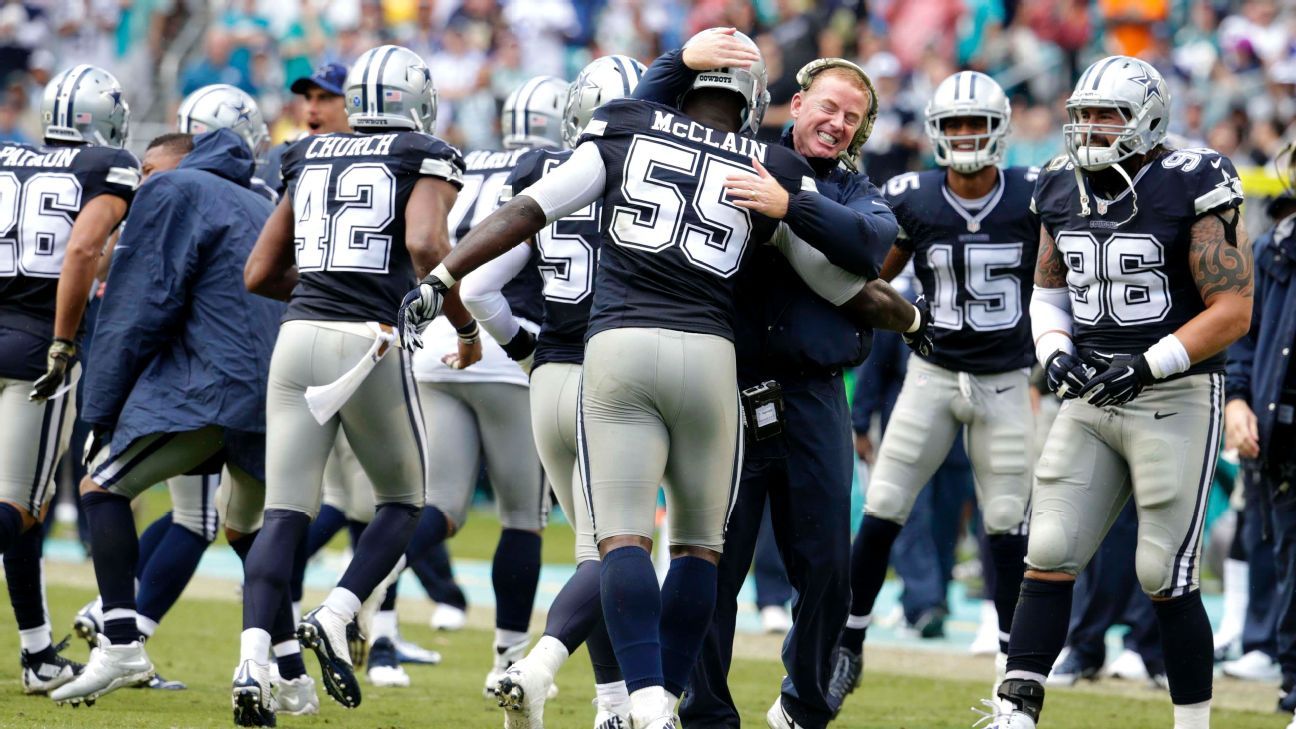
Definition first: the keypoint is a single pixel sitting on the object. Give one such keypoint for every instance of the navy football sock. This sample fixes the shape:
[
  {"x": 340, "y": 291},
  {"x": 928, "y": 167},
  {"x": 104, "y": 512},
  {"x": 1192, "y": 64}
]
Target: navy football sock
[
  {"x": 1188, "y": 645},
  {"x": 291, "y": 665},
  {"x": 10, "y": 526},
  {"x": 379, "y": 548},
  {"x": 432, "y": 568},
  {"x": 1009, "y": 554},
  {"x": 149, "y": 540},
  {"x": 322, "y": 530},
  {"x": 389, "y": 599},
  {"x": 688, "y": 599},
  {"x": 284, "y": 627},
  {"x": 22, "y": 566},
  {"x": 870, "y": 556},
  {"x": 576, "y": 608},
  {"x": 602, "y": 658},
  {"x": 433, "y": 528},
  {"x": 632, "y": 614},
  {"x": 116, "y": 548},
  {"x": 268, "y": 565},
  {"x": 356, "y": 530},
  {"x": 1039, "y": 626},
  {"x": 515, "y": 574},
  {"x": 243, "y": 545},
  {"x": 168, "y": 573}
]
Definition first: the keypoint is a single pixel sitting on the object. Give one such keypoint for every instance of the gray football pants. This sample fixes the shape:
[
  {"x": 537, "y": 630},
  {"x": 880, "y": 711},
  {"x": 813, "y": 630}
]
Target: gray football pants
[
  {"x": 1160, "y": 448},
  {"x": 555, "y": 398},
  {"x": 998, "y": 429},
  {"x": 659, "y": 405},
  {"x": 465, "y": 420},
  {"x": 346, "y": 487},
  {"x": 381, "y": 420},
  {"x": 33, "y": 436}
]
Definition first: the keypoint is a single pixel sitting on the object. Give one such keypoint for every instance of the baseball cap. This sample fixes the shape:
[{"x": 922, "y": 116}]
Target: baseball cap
[{"x": 330, "y": 77}]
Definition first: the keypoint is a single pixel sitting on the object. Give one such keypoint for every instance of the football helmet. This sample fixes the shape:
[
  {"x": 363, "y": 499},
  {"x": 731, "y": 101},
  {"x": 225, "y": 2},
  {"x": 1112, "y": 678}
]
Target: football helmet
[
  {"x": 390, "y": 86},
  {"x": 1137, "y": 91},
  {"x": 751, "y": 82},
  {"x": 604, "y": 79},
  {"x": 533, "y": 114},
  {"x": 221, "y": 106},
  {"x": 84, "y": 105},
  {"x": 969, "y": 94}
]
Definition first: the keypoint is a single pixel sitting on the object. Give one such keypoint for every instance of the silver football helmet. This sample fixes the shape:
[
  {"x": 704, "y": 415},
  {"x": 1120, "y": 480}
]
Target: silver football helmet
[
  {"x": 969, "y": 94},
  {"x": 221, "y": 106},
  {"x": 390, "y": 86},
  {"x": 533, "y": 114},
  {"x": 751, "y": 82},
  {"x": 604, "y": 79},
  {"x": 1137, "y": 91},
  {"x": 84, "y": 105}
]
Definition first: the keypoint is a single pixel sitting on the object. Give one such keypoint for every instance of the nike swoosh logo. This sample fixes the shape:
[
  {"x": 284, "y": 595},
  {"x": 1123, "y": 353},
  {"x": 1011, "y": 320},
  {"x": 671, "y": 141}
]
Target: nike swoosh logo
[
  {"x": 1163, "y": 416},
  {"x": 1002, "y": 390},
  {"x": 879, "y": 202},
  {"x": 1215, "y": 163}
]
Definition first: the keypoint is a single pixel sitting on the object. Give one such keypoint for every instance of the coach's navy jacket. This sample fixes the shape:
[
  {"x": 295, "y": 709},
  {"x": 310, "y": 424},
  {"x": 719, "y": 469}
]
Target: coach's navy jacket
[
  {"x": 1260, "y": 362},
  {"x": 180, "y": 344},
  {"x": 783, "y": 328}
]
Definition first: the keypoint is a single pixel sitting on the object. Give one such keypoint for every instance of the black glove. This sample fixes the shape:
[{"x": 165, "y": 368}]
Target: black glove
[
  {"x": 1065, "y": 375},
  {"x": 417, "y": 310},
  {"x": 920, "y": 339},
  {"x": 57, "y": 360},
  {"x": 521, "y": 349},
  {"x": 1121, "y": 382}
]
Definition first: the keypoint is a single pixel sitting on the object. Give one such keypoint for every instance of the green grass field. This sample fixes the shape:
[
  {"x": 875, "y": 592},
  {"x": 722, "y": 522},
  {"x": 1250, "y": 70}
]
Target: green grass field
[{"x": 198, "y": 643}]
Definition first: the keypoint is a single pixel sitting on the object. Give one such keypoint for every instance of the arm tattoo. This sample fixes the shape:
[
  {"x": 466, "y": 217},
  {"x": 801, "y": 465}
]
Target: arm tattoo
[
  {"x": 1050, "y": 269},
  {"x": 1218, "y": 265}
]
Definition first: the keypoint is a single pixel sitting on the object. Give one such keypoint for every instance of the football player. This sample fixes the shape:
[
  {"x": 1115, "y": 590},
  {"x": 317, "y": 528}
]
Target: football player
[
  {"x": 364, "y": 214},
  {"x": 76, "y": 189},
  {"x": 161, "y": 398},
  {"x": 973, "y": 250},
  {"x": 323, "y": 111},
  {"x": 486, "y": 409},
  {"x": 567, "y": 255},
  {"x": 1143, "y": 279}
]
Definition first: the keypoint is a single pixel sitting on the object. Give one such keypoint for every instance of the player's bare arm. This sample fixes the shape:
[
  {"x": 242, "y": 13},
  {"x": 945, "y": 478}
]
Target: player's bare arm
[
  {"x": 1219, "y": 257},
  {"x": 89, "y": 233},
  {"x": 896, "y": 260},
  {"x": 515, "y": 222},
  {"x": 428, "y": 240},
  {"x": 881, "y": 307},
  {"x": 271, "y": 269}
]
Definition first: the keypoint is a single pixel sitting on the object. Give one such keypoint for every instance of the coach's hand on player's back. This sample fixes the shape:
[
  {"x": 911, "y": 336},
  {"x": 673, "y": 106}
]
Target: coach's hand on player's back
[
  {"x": 1066, "y": 376},
  {"x": 1120, "y": 383},
  {"x": 718, "y": 48},
  {"x": 1240, "y": 429},
  {"x": 419, "y": 307}
]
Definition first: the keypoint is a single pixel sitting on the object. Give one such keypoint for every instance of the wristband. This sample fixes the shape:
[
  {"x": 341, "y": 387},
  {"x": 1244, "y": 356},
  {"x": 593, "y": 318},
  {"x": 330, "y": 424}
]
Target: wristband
[
  {"x": 442, "y": 274},
  {"x": 1051, "y": 342},
  {"x": 521, "y": 346},
  {"x": 63, "y": 347},
  {"x": 469, "y": 333},
  {"x": 1167, "y": 357},
  {"x": 917, "y": 321}
]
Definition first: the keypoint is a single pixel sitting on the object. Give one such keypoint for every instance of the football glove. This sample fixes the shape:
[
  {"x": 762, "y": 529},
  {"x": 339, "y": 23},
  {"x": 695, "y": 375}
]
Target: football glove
[
  {"x": 920, "y": 339},
  {"x": 1065, "y": 375},
  {"x": 57, "y": 360},
  {"x": 417, "y": 310},
  {"x": 1121, "y": 382}
]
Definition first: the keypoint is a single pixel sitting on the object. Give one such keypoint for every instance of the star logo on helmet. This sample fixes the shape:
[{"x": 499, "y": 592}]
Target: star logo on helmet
[
  {"x": 244, "y": 113},
  {"x": 1150, "y": 84},
  {"x": 116, "y": 96}
]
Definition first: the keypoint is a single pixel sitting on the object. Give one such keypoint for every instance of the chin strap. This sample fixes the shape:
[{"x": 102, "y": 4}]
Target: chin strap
[{"x": 1084, "y": 193}]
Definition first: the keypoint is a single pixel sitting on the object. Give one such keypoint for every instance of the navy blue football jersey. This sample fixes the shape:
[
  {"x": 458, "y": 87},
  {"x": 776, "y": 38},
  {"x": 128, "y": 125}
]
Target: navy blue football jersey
[
  {"x": 42, "y": 191},
  {"x": 484, "y": 184},
  {"x": 976, "y": 267},
  {"x": 349, "y": 193},
  {"x": 1130, "y": 282},
  {"x": 568, "y": 252},
  {"x": 673, "y": 239}
]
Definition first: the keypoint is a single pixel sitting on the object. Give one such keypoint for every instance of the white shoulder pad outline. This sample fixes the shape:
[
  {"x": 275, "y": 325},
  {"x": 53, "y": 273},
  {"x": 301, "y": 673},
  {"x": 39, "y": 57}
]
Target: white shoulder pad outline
[
  {"x": 596, "y": 128},
  {"x": 441, "y": 168},
  {"x": 124, "y": 176}
]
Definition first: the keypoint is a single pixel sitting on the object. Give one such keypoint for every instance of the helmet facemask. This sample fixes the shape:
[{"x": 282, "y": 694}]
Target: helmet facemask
[
  {"x": 1080, "y": 143},
  {"x": 987, "y": 148}
]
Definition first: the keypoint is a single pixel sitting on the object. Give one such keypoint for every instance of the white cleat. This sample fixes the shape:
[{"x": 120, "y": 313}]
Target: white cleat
[
  {"x": 775, "y": 619},
  {"x": 505, "y": 656},
  {"x": 252, "y": 695},
  {"x": 46, "y": 670},
  {"x": 665, "y": 722},
  {"x": 778, "y": 718},
  {"x": 110, "y": 667},
  {"x": 384, "y": 665},
  {"x": 1128, "y": 665},
  {"x": 1000, "y": 714},
  {"x": 522, "y": 692},
  {"x": 448, "y": 618},
  {"x": 608, "y": 717},
  {"x": 408, "y": 652},
  {"x": 88, "y": 623},
  {"x": 1253, "y": 666},
  {"x": 325, "y": 632},
  {"x": 1292, "y": 724},
  {"x": 1001, "y": 670},
  {"x": 296, "y": 697},
  {"x": 986, "y": 642}
]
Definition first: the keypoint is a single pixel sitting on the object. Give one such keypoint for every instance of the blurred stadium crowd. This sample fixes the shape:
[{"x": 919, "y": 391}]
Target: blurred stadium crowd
[{"x": 1231, "y": 63}]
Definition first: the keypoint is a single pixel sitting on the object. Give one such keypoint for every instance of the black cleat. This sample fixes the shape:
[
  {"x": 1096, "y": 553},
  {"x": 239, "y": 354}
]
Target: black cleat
[{"x": 847, "y": 669}]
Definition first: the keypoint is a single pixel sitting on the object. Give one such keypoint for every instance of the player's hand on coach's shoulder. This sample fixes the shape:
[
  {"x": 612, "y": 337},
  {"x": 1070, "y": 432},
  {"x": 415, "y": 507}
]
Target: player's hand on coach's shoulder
[
  {"x": 57, "y": 360},
  {"x": 920, "y": 339}
]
